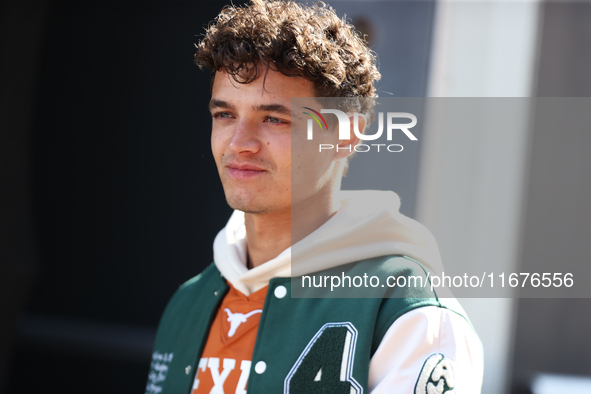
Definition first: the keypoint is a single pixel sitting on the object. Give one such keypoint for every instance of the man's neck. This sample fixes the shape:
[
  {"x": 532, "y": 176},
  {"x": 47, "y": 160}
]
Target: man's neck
[
  {"x": 267, "y": 235},
  {"x": 270, "y": 234}
]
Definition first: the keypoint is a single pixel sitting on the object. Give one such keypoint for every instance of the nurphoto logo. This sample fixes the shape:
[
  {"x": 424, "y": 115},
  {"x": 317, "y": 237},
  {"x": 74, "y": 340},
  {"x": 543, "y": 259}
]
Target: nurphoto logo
[{"x": 345, "y": 129}]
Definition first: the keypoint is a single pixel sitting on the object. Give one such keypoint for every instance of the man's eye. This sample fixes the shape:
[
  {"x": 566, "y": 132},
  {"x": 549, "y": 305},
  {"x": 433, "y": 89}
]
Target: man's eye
[
  {"x": 274, "y": 120},
  {"x": 221, "y": 115}
]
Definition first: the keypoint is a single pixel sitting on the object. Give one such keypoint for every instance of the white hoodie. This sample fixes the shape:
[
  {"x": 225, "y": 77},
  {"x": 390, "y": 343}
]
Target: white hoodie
[{"x": 367, "y": 225}]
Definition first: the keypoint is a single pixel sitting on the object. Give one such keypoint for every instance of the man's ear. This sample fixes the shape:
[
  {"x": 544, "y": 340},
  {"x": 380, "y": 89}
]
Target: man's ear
[{"x": 347, "y": 147}]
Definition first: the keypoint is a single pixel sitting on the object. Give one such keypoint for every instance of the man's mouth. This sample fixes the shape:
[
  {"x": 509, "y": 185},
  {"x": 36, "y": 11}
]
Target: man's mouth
[{"x": 244, "y": 170}]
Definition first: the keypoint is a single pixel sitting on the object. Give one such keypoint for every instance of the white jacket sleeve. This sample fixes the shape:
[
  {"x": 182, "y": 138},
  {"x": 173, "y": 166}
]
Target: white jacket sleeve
[{"x": 427, "y": 350}]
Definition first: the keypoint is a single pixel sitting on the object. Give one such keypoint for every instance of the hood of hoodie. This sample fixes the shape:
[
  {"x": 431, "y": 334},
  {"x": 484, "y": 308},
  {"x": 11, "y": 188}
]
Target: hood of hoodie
[{"x": 367, "y": 225}]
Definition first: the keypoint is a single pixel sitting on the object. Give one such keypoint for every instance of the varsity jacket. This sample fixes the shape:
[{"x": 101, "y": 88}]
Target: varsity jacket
[{"x": 404, "y": 340}]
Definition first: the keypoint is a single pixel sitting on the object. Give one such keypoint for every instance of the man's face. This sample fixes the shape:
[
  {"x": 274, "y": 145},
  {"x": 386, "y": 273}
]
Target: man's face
[{"x": 251, "y": 142}]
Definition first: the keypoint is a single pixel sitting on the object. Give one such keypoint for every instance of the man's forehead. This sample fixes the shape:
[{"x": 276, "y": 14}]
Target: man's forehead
[{"x": 268, "y": 84}]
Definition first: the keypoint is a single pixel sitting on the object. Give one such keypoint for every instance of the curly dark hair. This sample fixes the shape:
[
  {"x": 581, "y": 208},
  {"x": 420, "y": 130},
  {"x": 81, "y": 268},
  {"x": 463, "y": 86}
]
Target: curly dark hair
[{"x": 294, "y": 39}]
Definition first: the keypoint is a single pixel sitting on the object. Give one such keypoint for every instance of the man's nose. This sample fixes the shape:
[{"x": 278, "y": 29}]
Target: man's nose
[{"x": 245, "y": 138}]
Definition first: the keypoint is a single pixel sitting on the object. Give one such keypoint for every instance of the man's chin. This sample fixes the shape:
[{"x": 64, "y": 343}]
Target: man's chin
[{"x": 250, "y": 207}]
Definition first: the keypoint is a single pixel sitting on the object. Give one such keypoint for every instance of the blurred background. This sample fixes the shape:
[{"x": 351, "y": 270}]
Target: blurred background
[{"x": 109, "y": 197}]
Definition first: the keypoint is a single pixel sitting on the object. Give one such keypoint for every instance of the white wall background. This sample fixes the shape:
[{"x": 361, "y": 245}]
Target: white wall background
[{"x": 480, "y": 49}]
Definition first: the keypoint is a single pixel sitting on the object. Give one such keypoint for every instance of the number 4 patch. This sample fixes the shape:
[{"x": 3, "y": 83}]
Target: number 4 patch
[{"x": 326, "y": 364}]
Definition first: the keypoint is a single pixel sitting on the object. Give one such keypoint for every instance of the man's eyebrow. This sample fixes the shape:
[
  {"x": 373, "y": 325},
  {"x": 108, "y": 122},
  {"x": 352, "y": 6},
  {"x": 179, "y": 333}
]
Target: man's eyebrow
[
  {"x": 280, "y": 109},
  {"x": 215, "y": 103}
]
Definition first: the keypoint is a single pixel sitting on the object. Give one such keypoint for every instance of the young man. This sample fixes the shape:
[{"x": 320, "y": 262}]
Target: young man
[{"x": 236, "y": 326}]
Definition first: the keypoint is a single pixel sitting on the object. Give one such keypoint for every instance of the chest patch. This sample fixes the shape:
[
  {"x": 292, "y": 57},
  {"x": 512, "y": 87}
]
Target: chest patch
[
  {"x": 326, "y": 364},
  {"x": 436, "y": 376},
  {"x": 236, "y": 319}
]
